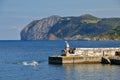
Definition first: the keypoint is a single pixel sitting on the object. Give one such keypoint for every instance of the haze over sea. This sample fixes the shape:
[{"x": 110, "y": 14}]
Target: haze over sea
[{"x": 13, "y": 55}]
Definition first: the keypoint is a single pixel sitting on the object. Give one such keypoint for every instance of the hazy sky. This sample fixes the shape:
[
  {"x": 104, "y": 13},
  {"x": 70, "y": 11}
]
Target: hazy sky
[{"x": 15, "y": 14}]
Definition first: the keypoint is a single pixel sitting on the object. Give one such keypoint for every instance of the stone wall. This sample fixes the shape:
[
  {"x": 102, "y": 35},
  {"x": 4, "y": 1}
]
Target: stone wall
[
  {"x": 73, "y": 60},
  {"x": 92, "y": 52}
]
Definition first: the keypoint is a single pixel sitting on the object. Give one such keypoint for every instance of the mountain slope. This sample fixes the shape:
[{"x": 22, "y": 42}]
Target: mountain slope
[
  {"x": 113, "y": 34},
  {"x": 38, "y": 29},
  {"x": 70, "y": 28}
]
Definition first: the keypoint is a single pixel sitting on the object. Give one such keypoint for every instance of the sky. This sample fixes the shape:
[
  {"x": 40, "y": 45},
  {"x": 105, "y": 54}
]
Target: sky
[{"x": 16, "y": 14}]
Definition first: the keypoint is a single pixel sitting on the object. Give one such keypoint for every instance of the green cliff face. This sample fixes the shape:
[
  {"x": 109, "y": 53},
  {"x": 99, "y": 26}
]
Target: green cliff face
[
  {"x": 85, "y": 27},
  {"x": 113, "y": 34}
]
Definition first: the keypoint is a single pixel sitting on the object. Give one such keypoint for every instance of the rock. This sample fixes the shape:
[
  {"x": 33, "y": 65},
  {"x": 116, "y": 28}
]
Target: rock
[{"x": 38, "y": 29}]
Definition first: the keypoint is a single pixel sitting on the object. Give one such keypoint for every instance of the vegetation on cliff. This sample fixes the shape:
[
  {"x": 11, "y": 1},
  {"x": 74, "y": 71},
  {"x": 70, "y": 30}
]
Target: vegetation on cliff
[{"x": 113, "y": 34}]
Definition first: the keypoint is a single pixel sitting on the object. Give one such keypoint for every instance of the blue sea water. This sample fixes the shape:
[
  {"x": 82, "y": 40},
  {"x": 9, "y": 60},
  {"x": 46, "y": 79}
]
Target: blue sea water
[{"x": 14, "y": 53}]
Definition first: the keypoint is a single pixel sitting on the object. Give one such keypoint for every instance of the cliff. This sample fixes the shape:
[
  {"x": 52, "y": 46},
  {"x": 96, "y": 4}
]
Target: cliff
[
  {"x": 86, "y": 27},
  {"x": 38, "y": 29}
]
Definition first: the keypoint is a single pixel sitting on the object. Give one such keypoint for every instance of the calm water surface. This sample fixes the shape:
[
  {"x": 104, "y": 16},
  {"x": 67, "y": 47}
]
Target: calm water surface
[{"x": 14, "y": 53}]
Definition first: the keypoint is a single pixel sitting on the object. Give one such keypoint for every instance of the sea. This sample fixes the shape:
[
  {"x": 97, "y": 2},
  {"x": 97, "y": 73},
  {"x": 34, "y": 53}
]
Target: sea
[{"x": 16, "y": 59}]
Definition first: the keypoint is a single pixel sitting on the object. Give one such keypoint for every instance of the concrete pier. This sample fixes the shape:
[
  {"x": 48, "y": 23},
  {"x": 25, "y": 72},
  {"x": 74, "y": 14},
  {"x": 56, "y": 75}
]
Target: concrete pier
[
  {"x": 87, "y": 55},
  {"x": 115, "y": 60},
  {"x": 73, "y": 59}
]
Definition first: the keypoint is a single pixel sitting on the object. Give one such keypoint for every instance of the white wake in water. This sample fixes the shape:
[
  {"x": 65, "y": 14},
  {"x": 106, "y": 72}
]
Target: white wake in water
[{"x": 30, "y": 63}]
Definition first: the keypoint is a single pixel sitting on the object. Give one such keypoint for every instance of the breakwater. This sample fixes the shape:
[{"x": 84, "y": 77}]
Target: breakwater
[
  {"x": 73, "y": 59},
  {"x": 115, "y": 60},
  {"x": 86, "y": 55}
]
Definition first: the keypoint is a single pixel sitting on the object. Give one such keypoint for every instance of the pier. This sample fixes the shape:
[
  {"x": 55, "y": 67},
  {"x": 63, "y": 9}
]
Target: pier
[
  {"x": 87, "y": 55},
  {"x": 73, "y": 60},
  {"x": 115, "y": 60}
]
